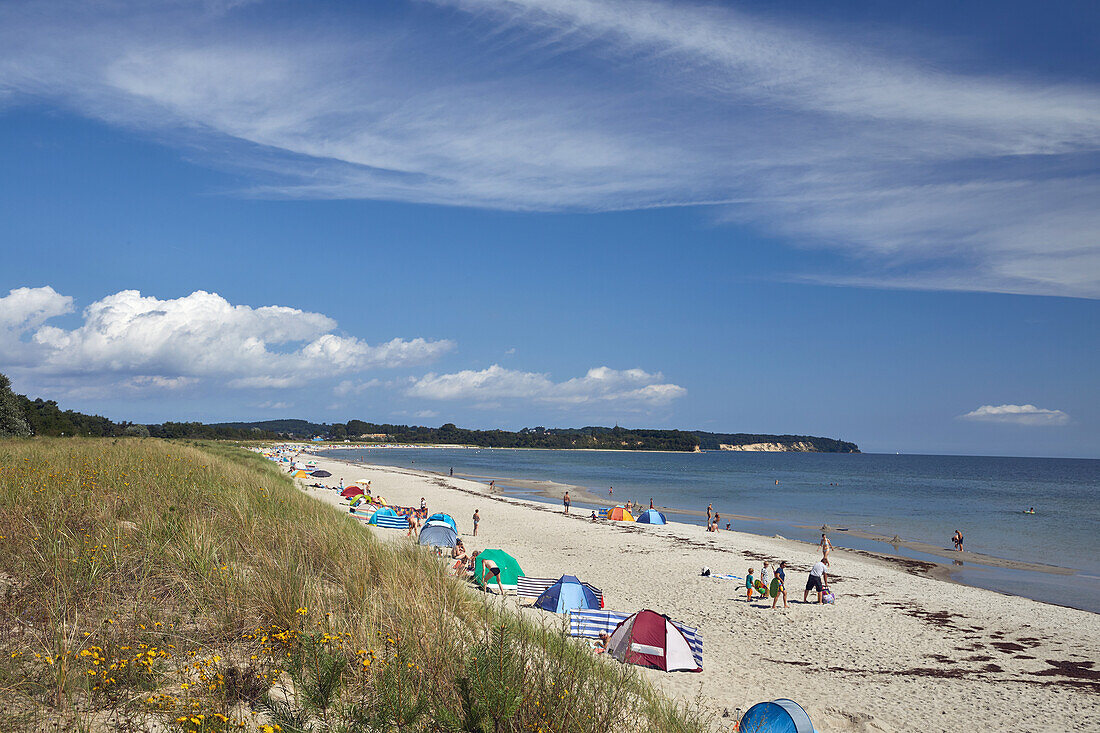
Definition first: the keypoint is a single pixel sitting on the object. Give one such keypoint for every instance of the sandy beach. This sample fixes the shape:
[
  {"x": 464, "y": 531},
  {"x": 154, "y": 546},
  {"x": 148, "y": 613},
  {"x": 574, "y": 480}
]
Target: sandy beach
[{"x": 900, "y": 650}]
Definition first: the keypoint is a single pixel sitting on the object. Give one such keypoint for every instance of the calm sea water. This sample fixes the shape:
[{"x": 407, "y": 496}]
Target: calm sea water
[{"x": 921, "y": 498}]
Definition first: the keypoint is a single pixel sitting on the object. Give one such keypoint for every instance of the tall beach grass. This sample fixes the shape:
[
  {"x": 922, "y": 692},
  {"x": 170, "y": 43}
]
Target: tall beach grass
[{"x": 149, "y": 585}]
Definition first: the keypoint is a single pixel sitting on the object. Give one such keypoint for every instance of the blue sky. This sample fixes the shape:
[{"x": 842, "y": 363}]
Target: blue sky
[{"x": 859, "y": 220}]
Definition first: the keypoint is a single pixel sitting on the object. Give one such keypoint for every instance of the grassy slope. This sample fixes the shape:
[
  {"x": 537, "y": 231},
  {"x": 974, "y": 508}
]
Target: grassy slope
[{"x": 193, "y": 586}]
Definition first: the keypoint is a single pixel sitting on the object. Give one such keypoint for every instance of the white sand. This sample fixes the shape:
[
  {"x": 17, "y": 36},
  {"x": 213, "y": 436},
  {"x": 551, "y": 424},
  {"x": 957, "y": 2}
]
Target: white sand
[{"x": 897, "y": 652}]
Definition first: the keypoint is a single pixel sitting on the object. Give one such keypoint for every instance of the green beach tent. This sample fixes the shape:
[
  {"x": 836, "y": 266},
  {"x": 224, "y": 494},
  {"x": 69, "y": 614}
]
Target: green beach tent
[{"x": 510, "y": 571}]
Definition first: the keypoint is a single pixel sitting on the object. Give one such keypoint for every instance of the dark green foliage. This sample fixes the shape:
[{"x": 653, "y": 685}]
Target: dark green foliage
[
  {"x": 44, "y": 417},
  {"x": 12, "y": 422}
]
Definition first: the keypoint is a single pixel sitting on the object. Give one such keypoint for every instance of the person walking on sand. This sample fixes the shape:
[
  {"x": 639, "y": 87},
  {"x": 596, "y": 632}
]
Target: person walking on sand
[
  {"x": 779, "y": 584},
  {"x": 825, "y": 545},
  {"x": 610, "y": 490},
  {"x": 477, "y": 518},
  {"x": 750, "y": 581},
  {"x": 565, "y": 501},
  {"x": 819, "y": 578}
]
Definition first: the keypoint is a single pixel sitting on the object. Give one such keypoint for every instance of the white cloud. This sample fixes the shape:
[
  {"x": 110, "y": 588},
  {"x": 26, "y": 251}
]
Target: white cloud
[
  {"x": 425, "y": 413},
  {"x": 1017, "y": 415},
  {"x": 889, "y": 157},
  {"x": 168, "y": 344},
  {"x": 269, "y": 405},
  {"x": 350, "y": 387},
  {"x": 23, "y": 310},
  {"x": 599, "y": 385}
]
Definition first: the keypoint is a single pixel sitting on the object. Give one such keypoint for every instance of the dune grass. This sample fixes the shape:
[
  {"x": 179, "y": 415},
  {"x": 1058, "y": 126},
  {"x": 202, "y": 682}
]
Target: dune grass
[{"x": 184, "y": 587}]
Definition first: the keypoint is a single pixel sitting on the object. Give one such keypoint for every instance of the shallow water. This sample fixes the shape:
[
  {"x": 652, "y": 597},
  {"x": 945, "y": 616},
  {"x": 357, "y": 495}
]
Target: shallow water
[{"x": 922, "y": 498}]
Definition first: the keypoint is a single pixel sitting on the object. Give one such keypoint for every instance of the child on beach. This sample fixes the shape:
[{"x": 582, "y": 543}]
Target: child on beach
[
  {"x": 477, "y": 518},
  {"x": 779, "y": 585},
  {"x": 749, "y": 580}
]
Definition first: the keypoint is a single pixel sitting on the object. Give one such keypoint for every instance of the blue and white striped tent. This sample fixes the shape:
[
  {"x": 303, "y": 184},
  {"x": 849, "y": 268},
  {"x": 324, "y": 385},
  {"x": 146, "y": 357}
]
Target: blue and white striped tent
[
  {"x": 388, "y": 518},
  {"x": 589, "y": 625}
]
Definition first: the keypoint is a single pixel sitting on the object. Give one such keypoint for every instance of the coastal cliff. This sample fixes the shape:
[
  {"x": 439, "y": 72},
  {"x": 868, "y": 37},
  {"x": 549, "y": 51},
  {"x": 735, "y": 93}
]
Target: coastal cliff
[{"x": 800, "y": 446}]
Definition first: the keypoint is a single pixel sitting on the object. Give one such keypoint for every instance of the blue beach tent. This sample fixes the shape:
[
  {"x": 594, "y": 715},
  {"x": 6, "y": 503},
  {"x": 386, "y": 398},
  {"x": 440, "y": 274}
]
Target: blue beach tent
[
  {"x": 446, "y": 518},
  {"x": 568, "y": 594},
  {"x": 437, "y": 533},
  {"x": 777, "y": 716},
  {"x": 383, "y": 512},
  {"x": 651, "y": 516}
]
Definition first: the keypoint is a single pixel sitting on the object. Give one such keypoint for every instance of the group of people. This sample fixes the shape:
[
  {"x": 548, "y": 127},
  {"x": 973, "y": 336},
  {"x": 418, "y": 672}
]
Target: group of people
[
  {"x": 713, "y": 518},
  {"x": 773, "y": 583}
]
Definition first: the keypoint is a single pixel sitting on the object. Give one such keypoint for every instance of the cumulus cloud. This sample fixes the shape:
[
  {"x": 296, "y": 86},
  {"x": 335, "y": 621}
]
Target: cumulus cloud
[
  {"x": 1017, "y": 415},
  {"x": 982, "y": 181},
  {"x": 599, "y": 385},
  {"x": 147, "y": 342}
]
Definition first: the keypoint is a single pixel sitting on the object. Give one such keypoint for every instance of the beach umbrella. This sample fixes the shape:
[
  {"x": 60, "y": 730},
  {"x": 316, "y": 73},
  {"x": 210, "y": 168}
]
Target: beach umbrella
[
  {"x": 351, "y": 491},
  {"x": 510, "y": 570},
  {"x": 321, "y": 474},
  {"x": 363, "y": 481},
  {"x": 301, "y": 474}
]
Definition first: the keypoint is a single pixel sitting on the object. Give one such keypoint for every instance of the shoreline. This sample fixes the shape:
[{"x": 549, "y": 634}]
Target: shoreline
[
  {"x": 949, "y": 655},
  {"x": 552, "y": 490}
]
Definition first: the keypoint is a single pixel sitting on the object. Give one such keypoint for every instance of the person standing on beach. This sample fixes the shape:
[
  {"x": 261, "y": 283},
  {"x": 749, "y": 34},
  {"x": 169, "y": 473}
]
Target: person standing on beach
[
  {"x": 825, "y": 545},
  {"x": 779, "y": 584},
  {"x": 452, "y": 471},
  {"x": 651, "y": 503},
  {"x": 492, "y": 485},
  {"x": 819, "y": 578},
  {"x": 710, "y": 510},
  {"x": 477, "y": 518},
  {"x": 610, "y": 490},
  {"x": 957, "y": 538},
  {"x": 566, "y": 502}
]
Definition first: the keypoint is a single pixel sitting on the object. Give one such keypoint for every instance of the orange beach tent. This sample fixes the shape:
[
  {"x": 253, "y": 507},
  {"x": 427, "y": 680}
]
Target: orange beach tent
[{"x": 620, "y": 514}]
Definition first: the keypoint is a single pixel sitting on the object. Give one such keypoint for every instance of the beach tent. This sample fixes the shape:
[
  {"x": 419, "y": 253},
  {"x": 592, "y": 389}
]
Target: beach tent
[
  {"x": 651, "y": 516},
  {"x": 650, "y": 639},
  {"x": 510, "y": 570},
  {"x": 438, "y": 533},
  {"x": 356, "y": 501},
  {"x": 301, "y": 474},
  {"x": 620, "y": 514},
  {"x": 777, "y": 716},
  {"x": 383, "y": 512},
  {"x": 567, "y": 594},
  {"x": 351, "y": 491},
  {"x": 445, "y": 518},
  {"x": 321, "y": 474}
]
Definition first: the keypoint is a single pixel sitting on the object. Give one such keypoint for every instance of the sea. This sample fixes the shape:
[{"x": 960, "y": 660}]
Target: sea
[{"x": 922, "y": 498}]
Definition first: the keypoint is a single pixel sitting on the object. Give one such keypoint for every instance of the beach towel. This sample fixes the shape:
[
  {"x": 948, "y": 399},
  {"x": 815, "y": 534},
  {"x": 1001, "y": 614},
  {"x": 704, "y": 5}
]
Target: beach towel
[
  {"x": 530, "y": 589},
  {"x": 727, "y": 576}
]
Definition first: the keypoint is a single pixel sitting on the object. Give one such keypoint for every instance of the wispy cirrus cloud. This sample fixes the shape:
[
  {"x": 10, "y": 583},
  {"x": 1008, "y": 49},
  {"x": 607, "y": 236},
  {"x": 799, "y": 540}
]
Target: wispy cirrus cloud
[
  {"x": 491, "y": 386},
  {"x": 143, "y": 342},
  {"x": 1017, "y": 415},
  {"x": 921, "y": 176}
]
